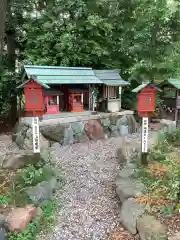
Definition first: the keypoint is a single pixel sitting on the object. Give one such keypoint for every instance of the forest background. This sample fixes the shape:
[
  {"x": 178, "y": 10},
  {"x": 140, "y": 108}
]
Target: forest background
[{"x": 141, "y": 38}]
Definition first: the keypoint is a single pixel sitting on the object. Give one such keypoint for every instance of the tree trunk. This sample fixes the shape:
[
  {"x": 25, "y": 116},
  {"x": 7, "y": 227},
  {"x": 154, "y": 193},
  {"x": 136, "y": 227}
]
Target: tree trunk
[
  {"x": 3, "y": 4},
  {"x": 11, "y": 50},
  {"x": 11, "y": 56},
  {"x": 153, "y": 48},
  {"x": 11, "y": 63}
]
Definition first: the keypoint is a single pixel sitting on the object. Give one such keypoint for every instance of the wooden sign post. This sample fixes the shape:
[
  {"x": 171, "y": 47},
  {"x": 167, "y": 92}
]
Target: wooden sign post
[
  {"x": 35, "y": 133},
  {"x": 144, "y": 140}
]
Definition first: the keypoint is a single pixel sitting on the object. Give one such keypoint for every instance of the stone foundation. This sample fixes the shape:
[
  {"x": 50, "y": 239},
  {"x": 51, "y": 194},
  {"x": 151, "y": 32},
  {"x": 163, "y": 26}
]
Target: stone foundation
[{"x": 71, "y": 130}]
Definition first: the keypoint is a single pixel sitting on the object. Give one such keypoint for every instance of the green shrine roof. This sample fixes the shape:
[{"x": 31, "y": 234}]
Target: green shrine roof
[
  {"x": 48, "y": 75},
  {"x": 174, "y": 82},
  {"x": 111, "y": 77}
]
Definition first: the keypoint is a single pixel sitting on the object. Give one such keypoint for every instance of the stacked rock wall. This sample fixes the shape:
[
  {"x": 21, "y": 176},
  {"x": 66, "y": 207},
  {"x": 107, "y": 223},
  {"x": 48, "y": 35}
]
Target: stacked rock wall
[{"x": 66, "y": 132}]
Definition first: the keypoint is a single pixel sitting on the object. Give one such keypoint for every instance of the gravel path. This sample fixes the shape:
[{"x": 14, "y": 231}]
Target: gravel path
[{"x": 90, "y": 207}]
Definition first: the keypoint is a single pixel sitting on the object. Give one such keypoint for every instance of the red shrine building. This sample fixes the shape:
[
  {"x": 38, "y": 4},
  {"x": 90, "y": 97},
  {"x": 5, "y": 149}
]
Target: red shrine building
[{"x": 53, "y": 90}]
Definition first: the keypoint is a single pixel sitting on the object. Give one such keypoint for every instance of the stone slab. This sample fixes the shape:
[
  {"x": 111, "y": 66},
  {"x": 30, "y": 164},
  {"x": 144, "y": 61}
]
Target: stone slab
[
  {"x": 127, "y": 188},
  {"x": 129, "y": 214},
  {"x": 149, "y": 228}
]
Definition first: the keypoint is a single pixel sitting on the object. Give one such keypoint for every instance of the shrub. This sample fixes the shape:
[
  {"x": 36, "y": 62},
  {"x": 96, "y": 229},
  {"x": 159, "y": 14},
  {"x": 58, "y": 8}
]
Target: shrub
[
  {"x": 173, "y": 137},
  {"x": 27, "y": 177},
  {"x": 161, "y": 177},
  {"x": 4, "y": 200},
  {"x": 31, "y": 176}
]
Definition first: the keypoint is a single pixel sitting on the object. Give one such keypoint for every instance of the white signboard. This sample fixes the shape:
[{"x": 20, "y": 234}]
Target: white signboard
[
  {"x": 35, "y": 132},
  {"x": 144, "y": 134}
]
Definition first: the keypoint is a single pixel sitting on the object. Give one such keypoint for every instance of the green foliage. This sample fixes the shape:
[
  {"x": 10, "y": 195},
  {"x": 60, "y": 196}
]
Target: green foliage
[
  {"x": 173, "y": 137},
  {"x": 139, "y": 37},
  {"x": 16, "y": 196},
  {"x": 166, "y": 211},
  {"x": 48, "y": 209},
  {"x": 31, "y": 176},
  {"x": 159, "y": 151},
  {"x": 26, "y": 177},
  {"x": 161, "y": 177},
  {"x": 4, "y": 200},
  {"x": 28, "y": 234}
]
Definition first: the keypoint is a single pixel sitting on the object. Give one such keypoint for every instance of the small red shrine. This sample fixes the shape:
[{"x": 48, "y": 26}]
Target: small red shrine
[
  {"x": 52, "y": 100},
  {"x": 75, "y": 103},
  {"x": 146, "y": 99},
  {"x": 51, "y": 104},
  {"x": 33, "y": 93}
]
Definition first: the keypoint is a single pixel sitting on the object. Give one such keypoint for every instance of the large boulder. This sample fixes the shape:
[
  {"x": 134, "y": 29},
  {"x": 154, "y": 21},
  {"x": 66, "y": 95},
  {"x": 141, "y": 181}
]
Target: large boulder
[
  {"x": 55, "y": 145},
  {"x": 19, "y": 127},
  {"x": 113, "y": 118},
  {"x": 54, "y": 132},
  {"x": 129, "y": 214},
  {"x": 127, "y": 172},
  {"x": 113, "y": 131},
  {"x": 22, "y": 136},
  {"x": 168, "y": 126},
  {"x": 123, "y": 130},
  {"x": 42, "y": 192},
  {"x": 94, "y": 130},
  {"x": 77, "y": 127},
  {"x": 105, "y": 122},
  {"x": 78, "y": 131},
  {"x": 149, "y": 228},
  {"x": 19, "y": 160},
  {"x": 122, "y": 126},
  {"x": 39, "y": 215},
  {"x": 68, "y": 136},
  {"x": 28, "y": 141},
  {"x": 53, "y": 183},
  {"x": 80, "y": 138},
  {"x": 121, "y": 156},
  {"x": 19, "y": 218},
  {"x": 127, "y": 152},
  {"x": 65, "y": 134},
  {"x": 127, "y": 188}
]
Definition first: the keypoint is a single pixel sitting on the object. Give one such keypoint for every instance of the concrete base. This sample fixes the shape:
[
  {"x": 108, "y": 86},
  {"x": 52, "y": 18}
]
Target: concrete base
[{"x": 67, "y": 117}]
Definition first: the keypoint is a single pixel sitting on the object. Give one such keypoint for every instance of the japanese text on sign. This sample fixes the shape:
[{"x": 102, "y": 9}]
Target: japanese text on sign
[
  {"x": 35, "y": 129},
  {"x": 145, "y": 134}
]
